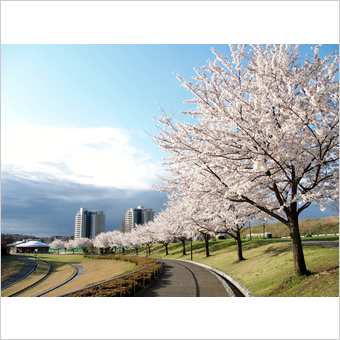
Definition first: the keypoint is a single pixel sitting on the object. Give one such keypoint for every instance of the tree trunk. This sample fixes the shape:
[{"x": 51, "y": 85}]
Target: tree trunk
[
  {"x": 299, "y": 259},
  {"x": 206, "y": 242},
  {"x": 136, "y": 250},
  {"x": 149, "y": 249},
  {"x": 239, "y": 246},
  {"x": 183, "y": 244},
  {"x": 123, "y": 250},
  {"x": 166, "y": 249}
]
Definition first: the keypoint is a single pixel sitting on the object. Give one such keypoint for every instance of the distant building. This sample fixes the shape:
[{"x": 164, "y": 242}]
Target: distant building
[
  {"x": 89, "y": 223},
  {"x": 139, "y": 215},
  {"x": 30, "y": 247}
]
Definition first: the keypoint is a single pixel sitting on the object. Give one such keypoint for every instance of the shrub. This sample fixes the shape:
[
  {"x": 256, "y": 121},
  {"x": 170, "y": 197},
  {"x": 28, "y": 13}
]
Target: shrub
[{"x": 112, "y": 288}]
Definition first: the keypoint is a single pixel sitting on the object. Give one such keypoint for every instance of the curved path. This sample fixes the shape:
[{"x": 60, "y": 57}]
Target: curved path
[
  {"x": 78, "y": 270},
  {"x": 185, "y": 279},
  {"x": 27, "y": 269}
]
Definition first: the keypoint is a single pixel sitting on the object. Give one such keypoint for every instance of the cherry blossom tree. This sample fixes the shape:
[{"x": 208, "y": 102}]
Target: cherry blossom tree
[
  {"x": 114, "y": 238},
  {"x": 133, "y": 240},
  {"x": 147, "y": 234},
  {"x": 83, "y": 242},
  {"x": 57, "y": 244},
  {"x": 267, "y": 134},
  {"x": 70, "y": 244},
  {"x": 165, "y": 231},
  {"x": 102, "y": 241}
]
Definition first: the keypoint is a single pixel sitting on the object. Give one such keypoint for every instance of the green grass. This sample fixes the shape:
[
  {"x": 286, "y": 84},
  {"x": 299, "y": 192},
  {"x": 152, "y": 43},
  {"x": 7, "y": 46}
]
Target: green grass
[{"x": 268, "y": 269}]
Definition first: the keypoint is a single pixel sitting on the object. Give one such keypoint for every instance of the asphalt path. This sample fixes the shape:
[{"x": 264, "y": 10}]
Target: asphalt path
[
  {"x": 328, "y": 244},
  {"x": 185, "y": 279},
  {"x": 29, "y": 265}
]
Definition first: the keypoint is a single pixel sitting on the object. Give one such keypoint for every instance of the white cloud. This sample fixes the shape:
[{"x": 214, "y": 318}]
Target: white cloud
[{"x": 99, "y": 156}]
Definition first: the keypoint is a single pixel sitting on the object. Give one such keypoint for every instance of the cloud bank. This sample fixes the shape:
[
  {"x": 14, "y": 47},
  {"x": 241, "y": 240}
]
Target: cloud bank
[
  {"x": 49, "y": 173},
  {"x": 102, "y": 156},
  {"x": 49, "y": 207}
]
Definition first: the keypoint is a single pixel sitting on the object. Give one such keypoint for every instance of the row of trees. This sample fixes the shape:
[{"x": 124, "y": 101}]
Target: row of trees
[
  {"x": 82, "y": 242},
  {"x": 266, "y": 140},
  {"x": 179, "y": 221}
]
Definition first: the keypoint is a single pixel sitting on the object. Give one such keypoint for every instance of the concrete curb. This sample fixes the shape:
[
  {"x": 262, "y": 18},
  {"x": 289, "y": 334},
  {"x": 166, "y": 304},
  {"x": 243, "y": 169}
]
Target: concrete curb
[
  {"x": 245, "y": 291},
  {"x": 224, "y": 284}
]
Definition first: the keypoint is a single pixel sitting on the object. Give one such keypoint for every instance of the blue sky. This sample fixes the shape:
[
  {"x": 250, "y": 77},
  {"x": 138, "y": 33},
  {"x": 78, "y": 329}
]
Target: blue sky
[{"x": 74, "y": 122}]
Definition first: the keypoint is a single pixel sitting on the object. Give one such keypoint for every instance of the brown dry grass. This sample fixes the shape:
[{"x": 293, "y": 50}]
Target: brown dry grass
[
  {"x": 10, "y": 266},
  {"x": 39, "y": 273},
  {"x": 62, "y": 271},
  {"x": 95, "y": 271}
]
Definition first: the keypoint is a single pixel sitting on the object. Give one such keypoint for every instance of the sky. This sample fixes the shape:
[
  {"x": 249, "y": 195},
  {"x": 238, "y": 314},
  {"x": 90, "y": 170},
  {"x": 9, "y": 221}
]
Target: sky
[{"x": 76, "y": 128}]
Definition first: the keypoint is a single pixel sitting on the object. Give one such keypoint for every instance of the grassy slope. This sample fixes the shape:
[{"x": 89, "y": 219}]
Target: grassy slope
[
  {"x": 38, "y": 274},
  {"x": 10, "y": 266},
  {"x": 268, "y": 269},
  {"x": 95, "y": 271},
  {"x": 316, "y": 225},
  {"x": 61, "y": 272}
]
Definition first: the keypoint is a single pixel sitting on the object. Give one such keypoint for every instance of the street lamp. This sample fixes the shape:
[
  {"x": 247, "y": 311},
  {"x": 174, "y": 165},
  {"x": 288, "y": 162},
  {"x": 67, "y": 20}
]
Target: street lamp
[
  {"x": 36, "y": 252},
  {"x": 191, "y": 248}
]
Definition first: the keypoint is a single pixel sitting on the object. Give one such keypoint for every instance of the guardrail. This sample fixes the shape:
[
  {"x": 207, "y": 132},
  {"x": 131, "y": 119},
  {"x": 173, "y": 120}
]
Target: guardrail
[{"x": 156, "y": 271}]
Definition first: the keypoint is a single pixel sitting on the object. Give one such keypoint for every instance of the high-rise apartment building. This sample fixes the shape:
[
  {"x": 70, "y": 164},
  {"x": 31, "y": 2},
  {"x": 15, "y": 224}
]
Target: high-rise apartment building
[
  {"x": 89, "y": 223},
  {"x": 139, "y": 215}
]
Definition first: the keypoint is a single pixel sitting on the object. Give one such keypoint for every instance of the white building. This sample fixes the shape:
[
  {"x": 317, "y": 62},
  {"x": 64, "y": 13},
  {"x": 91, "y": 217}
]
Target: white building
[
  {"x": 89, "y": 223},
  {"x": 139, "y": 215}
]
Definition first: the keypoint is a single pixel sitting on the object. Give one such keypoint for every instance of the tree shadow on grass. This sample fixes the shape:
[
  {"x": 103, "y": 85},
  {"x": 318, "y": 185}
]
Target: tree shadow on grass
[{"x": 275, "y": 251}]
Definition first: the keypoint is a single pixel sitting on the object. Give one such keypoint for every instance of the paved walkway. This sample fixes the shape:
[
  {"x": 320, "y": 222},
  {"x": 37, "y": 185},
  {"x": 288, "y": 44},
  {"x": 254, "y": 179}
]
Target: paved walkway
[
  {"x": 328, "y": 244},
  {"x": 29, "y": 264},
  {"x": 185, "y": 279}
]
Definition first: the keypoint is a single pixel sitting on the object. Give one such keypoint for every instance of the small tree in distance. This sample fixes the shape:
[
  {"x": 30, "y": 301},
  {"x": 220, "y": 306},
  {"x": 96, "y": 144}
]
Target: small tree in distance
[{"x": 57, "y": 244}]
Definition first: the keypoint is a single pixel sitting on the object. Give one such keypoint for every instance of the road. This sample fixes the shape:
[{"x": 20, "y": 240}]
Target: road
[
  {"x": 328, "y": 244},
  {"x": 185, "y": 279}
]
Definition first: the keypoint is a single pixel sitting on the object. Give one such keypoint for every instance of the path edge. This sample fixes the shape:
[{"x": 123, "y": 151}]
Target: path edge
[{"x": 245, "y": 291}]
